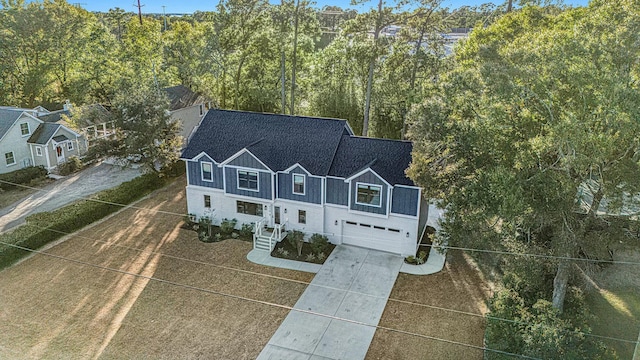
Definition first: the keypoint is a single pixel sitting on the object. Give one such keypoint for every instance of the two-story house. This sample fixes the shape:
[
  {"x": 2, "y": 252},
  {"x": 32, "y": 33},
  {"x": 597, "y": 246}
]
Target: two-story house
[{"x": 310, "y": 174}]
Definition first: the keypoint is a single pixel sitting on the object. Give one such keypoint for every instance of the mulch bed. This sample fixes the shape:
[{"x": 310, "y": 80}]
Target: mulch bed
[{"x": 293, "y": 252}]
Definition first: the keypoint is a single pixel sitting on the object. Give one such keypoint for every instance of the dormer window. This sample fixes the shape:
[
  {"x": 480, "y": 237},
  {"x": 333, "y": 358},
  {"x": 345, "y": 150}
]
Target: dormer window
[
  {"x": 24, "y": 129},
  {"x": 369, "y": 195},
  {"x": 298, "y": 184},
  {"x": 207, "y": 171}
]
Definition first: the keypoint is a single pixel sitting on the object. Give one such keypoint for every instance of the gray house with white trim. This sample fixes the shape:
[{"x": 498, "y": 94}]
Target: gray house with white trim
[
  {"x": 26, "y": 140},
  {"x": 304, "y": 173}
]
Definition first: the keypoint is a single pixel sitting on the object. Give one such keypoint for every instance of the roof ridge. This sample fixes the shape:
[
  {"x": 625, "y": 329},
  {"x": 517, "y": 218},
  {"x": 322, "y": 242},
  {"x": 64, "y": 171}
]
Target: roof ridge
[
  {"x": 279, "y": 115},
  {"x": 382, "y": 139}
]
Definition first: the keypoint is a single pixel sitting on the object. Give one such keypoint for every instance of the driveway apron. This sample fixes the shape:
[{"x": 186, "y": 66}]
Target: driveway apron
[{"x": 337, "y": 315}]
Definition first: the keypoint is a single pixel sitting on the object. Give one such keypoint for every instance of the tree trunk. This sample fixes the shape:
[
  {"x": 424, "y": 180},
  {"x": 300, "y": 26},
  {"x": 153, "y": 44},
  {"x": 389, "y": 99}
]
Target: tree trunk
[
  {"x": 293, "y": 60},
  {"x": 412, "y": 83},
  {"x": 560, "y": 284},
  {"x": 509, "y": 5},
  {"x": 283, "y": 93},
  {"x": 238, "y": 76},
  {"x": 595, "y": 201},
  {"x": 372, "y": 63}
]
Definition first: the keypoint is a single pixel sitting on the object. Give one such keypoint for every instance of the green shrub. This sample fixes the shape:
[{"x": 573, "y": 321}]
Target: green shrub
[
  {"x": 227, "y": 226},
  {"x": 319, "y": 243},
  {"x": 311, "y": 257},
  {"x": 45, "y": 227},
  {"x": 70, "y": 166},
  {"x": 23, "y": 177},
  {"x": 246, "y": 230}
]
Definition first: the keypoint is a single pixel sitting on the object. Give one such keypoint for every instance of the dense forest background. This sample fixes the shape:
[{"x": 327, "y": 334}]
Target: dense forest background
[{"x": 248, "y": 55}]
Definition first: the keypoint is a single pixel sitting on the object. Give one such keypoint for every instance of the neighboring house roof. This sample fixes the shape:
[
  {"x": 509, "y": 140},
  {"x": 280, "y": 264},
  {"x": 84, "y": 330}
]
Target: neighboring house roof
[
  {"x": 60, "y": 138},
  {"x": 322, "y": 146},
  {"x": 54, "y": 116},
  {"x": 181, "y": 97},
  {"x": 43, "y": 133},
  {"x": 93, "y": 114},
  {"x": 7, "y": 118},
  {"x": 388, "y": 158}
]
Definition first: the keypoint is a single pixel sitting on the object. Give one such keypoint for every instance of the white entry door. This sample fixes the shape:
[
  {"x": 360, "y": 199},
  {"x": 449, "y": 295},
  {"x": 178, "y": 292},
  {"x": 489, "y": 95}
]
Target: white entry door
[{"x": 60, "y": 153}]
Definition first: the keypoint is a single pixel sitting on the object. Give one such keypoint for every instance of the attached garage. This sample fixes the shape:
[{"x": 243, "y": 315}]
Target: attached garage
[{"x": 369, "y": 235}]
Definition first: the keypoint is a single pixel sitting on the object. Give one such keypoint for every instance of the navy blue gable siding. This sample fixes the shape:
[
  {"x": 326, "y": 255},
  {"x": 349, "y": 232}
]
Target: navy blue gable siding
[
  {"x": 248, "y": 161},
  {"x": 195, "y": 174},
  {"x": 264, "y": 184},
  {"x": 337, "y": 192},
  {"x": 312, "y": 187},
  {"x": 369, "y": 178},
  {"x": 405, "y": 201}
]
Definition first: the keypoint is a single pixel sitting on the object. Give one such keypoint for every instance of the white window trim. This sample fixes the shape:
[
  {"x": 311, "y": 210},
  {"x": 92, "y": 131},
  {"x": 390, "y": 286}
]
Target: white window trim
[
  {"x": 39, "y": 150},
  {"x": 293, "y": 184},
  {"x": 204, "y": 199},
  {"x": 28, "y": 129},
  {"x": 70, "y": 146},
  {"x": 202, "y": 171},
  {"x": 370, "y": 185},
  {"x": 305, "y": 216},
  {"x": 13, "y": 156},
  {"x": 257, "y": 189}
]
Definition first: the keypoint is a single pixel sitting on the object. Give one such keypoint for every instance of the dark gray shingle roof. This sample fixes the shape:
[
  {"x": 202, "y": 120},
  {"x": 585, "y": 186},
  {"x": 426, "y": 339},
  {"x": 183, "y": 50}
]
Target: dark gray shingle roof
[
  {"x": 54, "y": 116},
  {"x": 43, "y": 133},
  {"x": 60, "y": 138},
  {"x": 322, "y": 146},
  {"x": 181, "y": 96},
  {"x": 388, "y": 158},
  {"x": 7, "y": 118},
  {"x": 279, "y": 141}
]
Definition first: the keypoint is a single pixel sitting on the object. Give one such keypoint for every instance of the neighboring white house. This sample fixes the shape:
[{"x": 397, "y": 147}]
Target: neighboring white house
[
  {"x": 307, "y": 174},
  {"x": 187, "y": 107},
  {"x": 26, "y": 140}
]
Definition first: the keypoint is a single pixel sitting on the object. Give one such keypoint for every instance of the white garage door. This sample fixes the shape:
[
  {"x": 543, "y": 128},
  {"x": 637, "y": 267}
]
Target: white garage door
[{"x": 372, "y": 236}]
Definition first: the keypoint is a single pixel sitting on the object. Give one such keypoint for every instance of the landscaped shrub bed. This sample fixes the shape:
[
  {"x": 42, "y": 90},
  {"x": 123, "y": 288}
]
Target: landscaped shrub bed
[
  {"x": 24, "y": 176},
  {"x": 315, "y": 251},
  {"x": 207, "y": 232},
  {"x": 42, "y": 228},
  {"x": 422, "y": 254}
]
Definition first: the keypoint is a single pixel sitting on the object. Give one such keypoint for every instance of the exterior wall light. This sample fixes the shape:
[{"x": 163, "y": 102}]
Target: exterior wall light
[
  {"x": 336, "y": 223},
  {"x": 407, "y": 234}
]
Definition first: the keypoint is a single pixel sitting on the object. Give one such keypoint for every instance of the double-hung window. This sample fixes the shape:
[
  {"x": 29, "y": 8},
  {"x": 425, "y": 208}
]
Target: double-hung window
[
  {"x": 207, "y": 171},
  {"x": 207, "y": 201},
  {"x": 24, "y": 129},
  {"x": 298, "y": 184},
  {"x": 369, "y": 195},
  {"x": 70, "y": 146},
  {"x": 247, "y": 180},
  {"x": 302, "y": 217},
  {"x": 9, "y": 158}
]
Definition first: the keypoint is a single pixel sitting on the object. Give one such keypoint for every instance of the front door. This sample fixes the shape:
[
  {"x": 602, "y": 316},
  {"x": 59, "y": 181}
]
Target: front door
[
  {"x": 60, "y": 154},
  {"x": 276, "y": 214}
]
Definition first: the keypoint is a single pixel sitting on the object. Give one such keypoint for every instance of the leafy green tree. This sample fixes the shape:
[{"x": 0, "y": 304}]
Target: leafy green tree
[
  {"x": 145, "y": 132},
  {"x": 538, "y": 105}
]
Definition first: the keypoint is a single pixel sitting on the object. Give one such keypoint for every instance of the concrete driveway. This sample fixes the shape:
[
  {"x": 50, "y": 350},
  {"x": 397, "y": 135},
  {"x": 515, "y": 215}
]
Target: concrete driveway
[
  {"x": 338, "y": 312},
  {"x": 64, "y": 191}
]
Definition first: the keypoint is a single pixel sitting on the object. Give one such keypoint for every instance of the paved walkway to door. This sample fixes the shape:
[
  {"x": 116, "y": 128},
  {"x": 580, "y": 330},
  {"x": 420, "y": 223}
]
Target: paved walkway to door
[{"x": 353, "y": 284}]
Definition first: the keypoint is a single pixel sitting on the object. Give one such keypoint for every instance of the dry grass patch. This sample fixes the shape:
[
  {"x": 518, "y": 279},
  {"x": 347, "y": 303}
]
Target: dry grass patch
[
  {"x": 52, "y": 308},
  {"x": 459, "y": 286}
]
